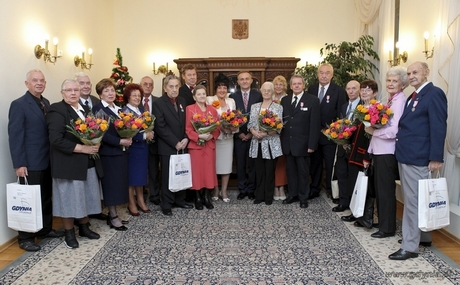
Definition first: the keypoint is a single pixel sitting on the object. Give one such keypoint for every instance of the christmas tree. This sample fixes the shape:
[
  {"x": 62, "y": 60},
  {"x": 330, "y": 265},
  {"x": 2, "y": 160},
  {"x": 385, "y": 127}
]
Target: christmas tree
[{"x": 120, "y": 76}]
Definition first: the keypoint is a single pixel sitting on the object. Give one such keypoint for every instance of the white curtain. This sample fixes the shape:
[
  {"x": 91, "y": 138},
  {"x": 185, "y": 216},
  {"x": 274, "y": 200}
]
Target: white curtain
[{"x": 446, "y": 74}]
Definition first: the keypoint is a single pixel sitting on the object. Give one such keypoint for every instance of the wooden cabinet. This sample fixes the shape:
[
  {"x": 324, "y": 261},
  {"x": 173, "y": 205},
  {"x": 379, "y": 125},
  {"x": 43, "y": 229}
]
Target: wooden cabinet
[{"x": 262, "y": 68}]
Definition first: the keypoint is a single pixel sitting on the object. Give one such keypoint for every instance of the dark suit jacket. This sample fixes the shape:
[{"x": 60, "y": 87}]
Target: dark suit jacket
[
  {"x": 343, "y": 112},
  {"x": 111, "y": 140},
  {"x": 302, "y": 125},
  {"x": 94, "y": 100},
  {"x": 28, "y": 134},
  {"x": 66, "y": 164},
  {"x": 254, "y": 97},
  {"x": 330, "y": 112},
  {"x": 169, "y": 124},
  {"x": 153, "y": 146},
  {"x": 184, "y": 92},
  {"x": 423, "y": 128}
]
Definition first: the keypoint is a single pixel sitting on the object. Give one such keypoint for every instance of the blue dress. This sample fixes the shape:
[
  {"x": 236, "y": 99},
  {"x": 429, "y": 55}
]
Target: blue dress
[{"x": 138, "y": 158}]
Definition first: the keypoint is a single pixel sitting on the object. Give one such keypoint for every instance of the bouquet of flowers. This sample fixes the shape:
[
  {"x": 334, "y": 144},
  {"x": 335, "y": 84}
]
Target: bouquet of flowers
[
  {"x": 340, "y": 131},
  {"x": 148, "y": 120},
  {"x": 216, "y": 104},
  {"x": 269, "y": 121},
  {"x": 376, "y": 115},
  {"x": 128, "y": 125},
  {"x": 232, "y": 118},
  {"x": 89, "y": 131},
  {"x": 204, "y": 124}
]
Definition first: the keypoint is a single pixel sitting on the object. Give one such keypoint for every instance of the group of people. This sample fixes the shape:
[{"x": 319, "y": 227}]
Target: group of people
[{"x": 43, "y": 150}]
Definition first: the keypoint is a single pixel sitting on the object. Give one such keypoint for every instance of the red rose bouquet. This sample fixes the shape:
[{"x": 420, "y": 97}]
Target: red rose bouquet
[
  {"x": 375, "y": 115},
  {"x": 204, "y": 124},
  {"x": 340, "y": 131},
  {"x": 269, "y": 121}
]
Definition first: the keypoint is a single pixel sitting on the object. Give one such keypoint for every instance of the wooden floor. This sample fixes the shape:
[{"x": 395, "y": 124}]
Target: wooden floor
[{"x": 448, "y": 246}]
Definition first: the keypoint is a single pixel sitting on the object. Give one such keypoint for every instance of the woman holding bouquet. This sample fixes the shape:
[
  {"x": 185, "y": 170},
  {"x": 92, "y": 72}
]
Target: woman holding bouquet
[
  {"x": 280, "y": 85},
  {"x": 382, "y": 149},
  {"x": 75, "y": 173},
  {"x": 224, "y": 143},
  {"x": 265, "y": 144},
  {"x": 114, "y": 156},
  {"x": 138, "y": 152},
  {"x": 202, "y": 148}
]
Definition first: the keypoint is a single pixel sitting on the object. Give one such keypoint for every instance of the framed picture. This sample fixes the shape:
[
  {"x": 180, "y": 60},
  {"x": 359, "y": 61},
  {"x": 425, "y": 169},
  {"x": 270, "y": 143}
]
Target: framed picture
[{"x": 240, "y": 29}]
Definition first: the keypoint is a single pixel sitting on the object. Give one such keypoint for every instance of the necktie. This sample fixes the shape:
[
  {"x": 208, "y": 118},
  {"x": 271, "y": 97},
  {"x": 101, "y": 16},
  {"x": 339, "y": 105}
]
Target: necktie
[
  {"x": 294, "y": 103},
  {"x": 245, "y": 100},
  {"x": 191, "y": 88},
  {"x": 349, "y": 110},
  {"x": 87, "y": 103},
  {"x": 414, "y": 94},
  {"x": 146, "y": 104},
  {"x": 321, "y": 94},
  {"x": 175, "y": 106},
  {"x": 45, "y": 110}
]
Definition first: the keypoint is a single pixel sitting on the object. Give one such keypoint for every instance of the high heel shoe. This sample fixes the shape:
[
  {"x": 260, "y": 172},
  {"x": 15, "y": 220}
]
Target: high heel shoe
[
  {"x": 148, "y": 211},
  {"x": 109, "y": 222},
  {"x": 133, "y": 214}
]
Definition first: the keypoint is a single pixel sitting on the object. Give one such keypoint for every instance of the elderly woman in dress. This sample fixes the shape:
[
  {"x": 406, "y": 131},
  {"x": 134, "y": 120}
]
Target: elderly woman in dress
[
  {"x": 202, "y": 155},
  {"x": 76, "y": 192},
  {"x": 114, "y": 157},
  {"x": 382, "y": 149},
  {"x": 224, "y": 143},
  {"x": 265, "y": 146},
  {"x": 280, "y": 85},
  {"x": 138, "y": 152}
]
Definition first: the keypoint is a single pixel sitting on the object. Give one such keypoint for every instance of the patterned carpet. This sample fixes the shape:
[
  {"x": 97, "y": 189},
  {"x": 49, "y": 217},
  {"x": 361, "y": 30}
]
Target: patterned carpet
[{"x": 236, "y": 243}]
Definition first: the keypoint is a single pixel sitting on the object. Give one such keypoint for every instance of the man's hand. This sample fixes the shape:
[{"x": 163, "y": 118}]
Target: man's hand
[
  {"x": 434, "y": 165},
  {"x": 21, "y": 171}
]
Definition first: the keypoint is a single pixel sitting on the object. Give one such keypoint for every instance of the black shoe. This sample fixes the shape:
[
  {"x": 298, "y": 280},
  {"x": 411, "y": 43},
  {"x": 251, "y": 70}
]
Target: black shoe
[
  {"x": 268, "y": 203},
  {"x": 110, "y": 224},
  {"x": 52, "y": 234},
  {"x": 336, "y": 201},
  {"x": 313, "y": 195},
  {"x": 251, "y": 196},
  {"x": 349, "y": 218},
  {"x": 290, "y": 200},
  {"x": 339, "y": 208},
  {"x": 241, "y": 196},
  {"x": 84, "y": 231},
  {"x": 357, "y": 224},
  {"x": 155, "y": 201},
  {"x": 304, "y": 204},
  {"x": 198, "y": 202},
  {"x": 183, "y": 206},
  {"x": 70, "y": 241},
  {"x": 402, "y": 255},
  {"x": 257, "y": 202},
  {"x": 99, "y": 216},
  {"x": 422, "y": 243},
  {"x": 29, "y": 245},
  {"x": 380, "y": 234},
  {"x": 167, "y": 212},
  {"x": 207, "y": 199}
]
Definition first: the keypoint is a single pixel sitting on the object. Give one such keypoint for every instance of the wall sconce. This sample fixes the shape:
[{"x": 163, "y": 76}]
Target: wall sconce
[
  {"x": 39, "y": 51},
  {"x": 161, "y": 69},
  {"x": 428, "y": 54},
  {"x": 81, "y": 60},
  {"x": 395, "y": 61}
]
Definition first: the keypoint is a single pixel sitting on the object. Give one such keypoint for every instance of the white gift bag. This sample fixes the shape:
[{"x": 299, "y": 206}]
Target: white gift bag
[
  {"x": 180, "y": 172},
  {"x": 24, "y": 207},
  {"x": 358, "y": 199},
  {"x": 433, "y": 204}
]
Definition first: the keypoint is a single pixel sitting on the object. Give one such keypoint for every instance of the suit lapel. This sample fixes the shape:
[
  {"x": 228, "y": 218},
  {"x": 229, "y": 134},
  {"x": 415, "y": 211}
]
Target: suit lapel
[
  {"x": 170, "y": 106},
  {"x": 35, "y": 108}
]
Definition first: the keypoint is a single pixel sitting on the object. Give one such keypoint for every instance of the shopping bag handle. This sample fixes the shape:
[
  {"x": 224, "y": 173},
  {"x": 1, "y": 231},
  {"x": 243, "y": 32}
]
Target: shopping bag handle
[
  {"x": 438, "y": 174},
  {"x": 183, "y": 152},
  {"x": 25, "y": 180}
]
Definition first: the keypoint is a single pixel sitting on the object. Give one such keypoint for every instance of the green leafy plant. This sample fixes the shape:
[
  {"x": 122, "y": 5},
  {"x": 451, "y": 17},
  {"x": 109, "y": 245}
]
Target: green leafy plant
[{"x": 351, "y": 61}]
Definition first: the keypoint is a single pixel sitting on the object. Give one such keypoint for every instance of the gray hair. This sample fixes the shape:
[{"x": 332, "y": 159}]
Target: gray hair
[
  {"x": 80, "y": 74},
  {"x": 401, "y": 72},
  {"x": 169, "y": 78},
  {"x": 31, "y": 71},
  {"x": 296, "y": 76},
  {"x": 269, "y": 84},
  {"x": 68, "y": 81}
]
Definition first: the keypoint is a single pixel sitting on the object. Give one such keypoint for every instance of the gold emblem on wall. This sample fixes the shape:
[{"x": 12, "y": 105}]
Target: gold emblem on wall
[{"x": 240, "y": 29}]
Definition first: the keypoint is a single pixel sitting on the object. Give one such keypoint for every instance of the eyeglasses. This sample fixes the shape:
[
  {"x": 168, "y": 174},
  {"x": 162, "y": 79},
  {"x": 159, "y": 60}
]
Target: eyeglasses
[
  {"x": 147, "y": 84},
  {"x": 70, "y": 90}
]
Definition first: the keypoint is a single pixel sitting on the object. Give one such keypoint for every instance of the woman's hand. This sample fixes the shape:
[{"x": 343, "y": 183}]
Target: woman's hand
[
  {"x": 369, "y": 130},
  {"x": 126, "y": 142},
  {"x": 87, "y": 149},
  {"x": 149, "y": 136},
  {"x": 205, "y": 136}
]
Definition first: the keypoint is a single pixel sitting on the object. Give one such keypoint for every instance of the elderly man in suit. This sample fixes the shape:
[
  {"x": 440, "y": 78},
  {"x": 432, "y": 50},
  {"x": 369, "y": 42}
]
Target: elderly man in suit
[
  {"x": 86, "y": 99},
  {"x": 299, "y": 138},
  {"x": 331, "y": 97},
  {"x": 30, "y": 151},
  {"x": 188, "y": 74},
  {"x": 147, "y": 86},
  {"x": 419, "y": 150},
  {"x": 244, "y": 98},
  {"x": 169, "y": 111},
  {"x": 341, "y": 164}
]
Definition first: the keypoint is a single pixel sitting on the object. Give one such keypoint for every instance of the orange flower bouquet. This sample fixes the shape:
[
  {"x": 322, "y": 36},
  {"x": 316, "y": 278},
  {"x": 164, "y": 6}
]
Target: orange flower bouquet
[
  {"x": 216, "y": 104},
  {"x": 204, "y": 124},
  {"x": 148, "y": 120},
  {"x": 269, "y": 121},
  {"x": 232, "y": 118},
  {"x": 340, "y": 131},
  {"x": 89, "y": 131},
  {"x": 128, "y": 125},
  {"x": 375, "y": 115}
]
